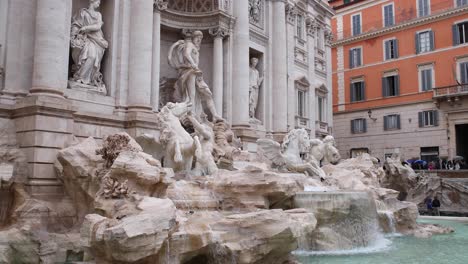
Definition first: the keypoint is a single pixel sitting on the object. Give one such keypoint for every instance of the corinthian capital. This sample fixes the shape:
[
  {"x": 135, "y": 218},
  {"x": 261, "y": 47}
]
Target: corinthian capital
[
  {"x": 160, "y": 5},
  {"x": 328, "y": 36},
  {"x": 291, "y": 13},
  {"x": 311, "y": 26},
  {"x": 218, "y": 32}
]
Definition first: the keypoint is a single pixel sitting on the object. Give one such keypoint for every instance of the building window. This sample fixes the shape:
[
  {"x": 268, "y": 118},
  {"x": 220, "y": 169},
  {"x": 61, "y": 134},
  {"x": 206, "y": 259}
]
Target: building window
[
  {"x": 460, "y": 33},
  {"x": 463, "y": 72},
  {"x": 301, "y": 103},
  {"x": 358, "y": 92},
  {"x": 429, "y": 154},
  {"x": 346, "y": 1},
  {"x": 392, "y": 122},
  {"x": 300, "y": 27},
  {"x": 356, "y": 24},
  {"x": 321, "y": 104},
  {"x": 358, "y": 126},
  {"x": 355, "y": 58},
  {"x": 388, "y": 17},
  {"x": 428, "y": 118},
  {"x": 391, "y": 49},
  {"x": 358, "y": 151},
  {"x": 462, "y": 3},
  {"x": 390, "y": 85},
  {"x": 424, "y": 41},
  {"x": 426, "y": 78},
  {"x": 424, "y": 7}
]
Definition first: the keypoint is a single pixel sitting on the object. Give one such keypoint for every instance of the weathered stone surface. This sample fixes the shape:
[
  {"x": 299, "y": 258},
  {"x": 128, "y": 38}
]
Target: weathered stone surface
[
  {"x": 272, "y": 234},
  {"x": 254, "y": 187},
  {"x": 133, "y": 238}
]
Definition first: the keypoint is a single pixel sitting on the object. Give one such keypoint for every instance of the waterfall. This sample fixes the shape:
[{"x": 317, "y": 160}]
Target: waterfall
[
  {"x": 387, "y": 220},
  {"x": 346, "y": 220}
]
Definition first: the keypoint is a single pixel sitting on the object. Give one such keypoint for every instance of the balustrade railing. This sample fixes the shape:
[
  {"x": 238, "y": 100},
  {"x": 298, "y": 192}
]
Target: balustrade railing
[{"x": 452, "y": 90}]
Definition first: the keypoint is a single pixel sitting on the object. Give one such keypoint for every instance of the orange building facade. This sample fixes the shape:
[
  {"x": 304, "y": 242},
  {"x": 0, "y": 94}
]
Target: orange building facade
[{"x": 400, "y": 78}]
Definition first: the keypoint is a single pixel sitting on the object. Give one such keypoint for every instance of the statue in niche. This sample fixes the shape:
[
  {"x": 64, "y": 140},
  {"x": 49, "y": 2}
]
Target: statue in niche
[
  {"x": 88, "y": 46},
  {"x": 190, "y": 86},
  {"x": 254, "y": 87}
]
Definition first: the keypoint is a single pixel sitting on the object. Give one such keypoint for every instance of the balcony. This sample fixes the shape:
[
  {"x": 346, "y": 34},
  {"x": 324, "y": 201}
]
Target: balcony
[
  {"x": 451, "y": 93},
  {"x": 322, "y": 127},
  {"x": 302, "y": 122}
]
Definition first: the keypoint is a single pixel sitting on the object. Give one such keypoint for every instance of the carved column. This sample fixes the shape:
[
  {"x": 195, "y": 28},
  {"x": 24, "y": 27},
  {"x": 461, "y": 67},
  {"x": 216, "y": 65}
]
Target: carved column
[
  {"x": 280, "y": 71},
  {"x": 51, "y": 47},
  {"x": 140, "y": 55},
  {"x": 159, "y": 5},
  {"x": 311, "y": 26},
  {"x": 328, "y": 50},
  {"x": 217, "y": 89},
  {"x": 240, "y": 75}
]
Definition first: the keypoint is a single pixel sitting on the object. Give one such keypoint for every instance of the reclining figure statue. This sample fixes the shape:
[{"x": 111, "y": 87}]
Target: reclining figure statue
[{"x": 287, "y": 156}]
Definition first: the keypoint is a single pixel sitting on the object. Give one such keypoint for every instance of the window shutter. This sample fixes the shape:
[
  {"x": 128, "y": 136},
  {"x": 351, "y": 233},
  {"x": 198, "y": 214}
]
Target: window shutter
[
  {"x": 363, "y": 90},
  {"x": 364, "y": 124},
  {"x": 359, "y": 62},
  {"x": 456, "y": 36},
  {"x": 397, "y": 84},
  {"x": 431, "y": 39},
  {"x": 387, "y": 49},
  {"x": 464, "y": 72},
  {"x": 398, "y": 121},
  {"x": 352, "y": 126},
  {"x": 351, "y": 59},
  {"x": 384, "y": 87},
  {"x": 420, "y": 119},
  {"x": 429, "y": 79},
  {"x": 416, "y": 43},
  {"x": 436, "y": 117},
  {"x": 353, "y": 92},
  {"x": 395, "y": 46},
  {"x": 385, "y": 122}
]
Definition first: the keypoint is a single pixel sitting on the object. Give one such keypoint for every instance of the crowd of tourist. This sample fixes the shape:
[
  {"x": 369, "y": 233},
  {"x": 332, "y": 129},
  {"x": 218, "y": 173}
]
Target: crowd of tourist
[{"x": 442, "y": 164}]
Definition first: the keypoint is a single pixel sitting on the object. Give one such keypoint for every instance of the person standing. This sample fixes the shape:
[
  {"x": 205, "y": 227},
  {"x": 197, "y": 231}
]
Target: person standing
[
  {"x": 436, "y": 206},
  {"x": 428, "y": 203}
]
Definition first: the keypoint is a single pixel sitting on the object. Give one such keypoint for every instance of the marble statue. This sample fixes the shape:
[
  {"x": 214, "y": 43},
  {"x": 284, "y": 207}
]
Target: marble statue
[
  {"x": 324, "y": 152},
  {"x": 254, "y": 86},
  {"x": 190, "y": 86},
  {"x": 288, "y": 154},
  {"x": 225, "y": 148},
  {"x": 174, "y": 143},
  {"x": 88, "y": 46},
  {"x": 204, "y": 137}
]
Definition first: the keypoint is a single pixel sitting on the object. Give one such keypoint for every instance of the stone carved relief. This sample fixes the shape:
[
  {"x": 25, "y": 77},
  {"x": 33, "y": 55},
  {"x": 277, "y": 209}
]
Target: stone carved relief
[
  {"x": 160, "y": 5},
  {"x": 88, "y": 46},
  {"x": 254, "y": 86},
  {"x": 256, "y": 12},
  {"x": 190, "y": 86},
  {"x": 194, "y": 6},
  {"x": 287, "y": 156},
  {"x": 328, "y": 37}
]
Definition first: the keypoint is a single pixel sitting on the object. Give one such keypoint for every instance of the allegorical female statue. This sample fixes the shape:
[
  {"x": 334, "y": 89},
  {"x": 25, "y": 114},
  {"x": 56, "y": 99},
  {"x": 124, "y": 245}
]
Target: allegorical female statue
[
  {"x": 88, "y": 46},
  {"x": 255, "y": 81}
]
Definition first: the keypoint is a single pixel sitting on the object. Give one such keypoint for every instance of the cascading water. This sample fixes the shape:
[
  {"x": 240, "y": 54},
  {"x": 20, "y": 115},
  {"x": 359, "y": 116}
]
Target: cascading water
[{"x": 346, "y": 220}]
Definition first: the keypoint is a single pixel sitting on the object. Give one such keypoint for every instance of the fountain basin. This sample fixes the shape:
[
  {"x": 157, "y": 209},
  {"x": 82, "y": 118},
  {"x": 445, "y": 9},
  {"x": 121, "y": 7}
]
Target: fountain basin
[{"x": 345, "y": 220}]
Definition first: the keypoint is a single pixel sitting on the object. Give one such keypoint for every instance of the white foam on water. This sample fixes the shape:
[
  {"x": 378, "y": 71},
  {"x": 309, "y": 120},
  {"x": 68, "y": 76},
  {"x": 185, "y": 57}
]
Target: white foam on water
[
  {"x": 380, "y": 246},
  {"x": 309, "y": 188}
]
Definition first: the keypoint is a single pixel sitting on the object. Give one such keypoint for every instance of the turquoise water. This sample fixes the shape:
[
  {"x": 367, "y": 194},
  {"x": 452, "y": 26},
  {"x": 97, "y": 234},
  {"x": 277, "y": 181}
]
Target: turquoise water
[{"x": 440, "y": 249}]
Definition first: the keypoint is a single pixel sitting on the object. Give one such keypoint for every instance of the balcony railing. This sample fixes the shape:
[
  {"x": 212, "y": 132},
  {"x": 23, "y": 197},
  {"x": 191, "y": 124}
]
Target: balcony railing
[
  {"x": 302, "y": 121},
  {"x": 449, "y": 91},
  {"x": 321, "y": 126},
  {"x": 403, "y": 15}
]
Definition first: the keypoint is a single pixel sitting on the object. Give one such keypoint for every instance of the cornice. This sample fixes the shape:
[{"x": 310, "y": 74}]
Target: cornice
[
  {"x": 399, "y": 27},
  {"x": 197, "y": 21}
]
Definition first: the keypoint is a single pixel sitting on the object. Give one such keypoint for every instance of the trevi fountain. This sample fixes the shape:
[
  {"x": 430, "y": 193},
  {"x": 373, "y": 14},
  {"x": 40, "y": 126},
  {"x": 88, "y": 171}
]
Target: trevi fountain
[{"x": 160, "y": 132}]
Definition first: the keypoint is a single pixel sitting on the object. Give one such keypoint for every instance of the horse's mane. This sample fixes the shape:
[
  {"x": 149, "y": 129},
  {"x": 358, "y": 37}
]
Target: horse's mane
[{"x": 292, "y": 135}]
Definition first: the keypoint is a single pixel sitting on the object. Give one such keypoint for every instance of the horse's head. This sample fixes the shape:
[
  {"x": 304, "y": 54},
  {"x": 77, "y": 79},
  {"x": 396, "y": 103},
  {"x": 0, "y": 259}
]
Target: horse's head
[
  {"x": 298, "y": 136},
  {"x": 177, "y": 109},
  {"x": 332, "y": 154}
]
